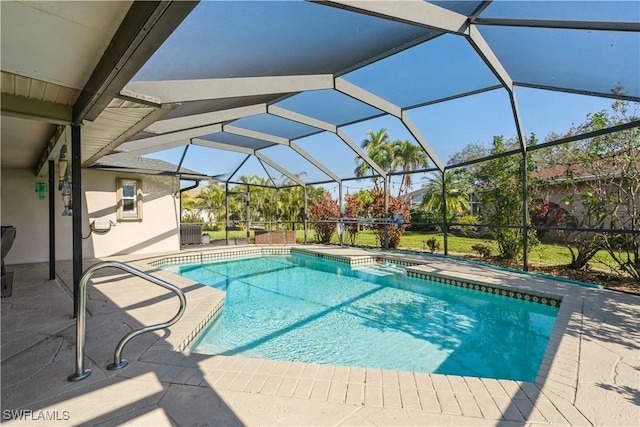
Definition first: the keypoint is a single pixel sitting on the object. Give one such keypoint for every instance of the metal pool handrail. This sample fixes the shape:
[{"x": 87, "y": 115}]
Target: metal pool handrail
[{"x": 118, "y": 362}]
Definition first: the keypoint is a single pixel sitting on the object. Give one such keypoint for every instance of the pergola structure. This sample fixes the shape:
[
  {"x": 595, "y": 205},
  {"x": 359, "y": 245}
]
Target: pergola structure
[{"x": 285, "y": 89}]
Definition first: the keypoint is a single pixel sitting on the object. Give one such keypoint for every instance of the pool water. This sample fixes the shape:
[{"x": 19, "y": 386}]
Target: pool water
[{"x": 302, "y": 308}]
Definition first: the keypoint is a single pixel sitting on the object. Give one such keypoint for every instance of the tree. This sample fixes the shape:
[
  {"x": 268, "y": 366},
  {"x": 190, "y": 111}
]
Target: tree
[
  {"x": 456, "y": 188},
  {"x": 499, "y": 188},
  {"x": 261, "y": 199},
  {"x": 190, "y": 209},
  {"x": 408, "y": 157},
  {"x": 470, "y": 152},
  {"x": 291, "y": 201},
  {"x": 380, "y": 150},
  {"x": 391, "y": 156},
  {"x": 211, "y": 201},
  {"x": 602, "y": 189}
]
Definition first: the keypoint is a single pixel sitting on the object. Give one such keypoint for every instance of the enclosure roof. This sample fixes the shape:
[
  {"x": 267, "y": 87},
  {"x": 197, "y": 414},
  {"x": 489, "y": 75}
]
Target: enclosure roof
[{"x": 286, "y": 90}]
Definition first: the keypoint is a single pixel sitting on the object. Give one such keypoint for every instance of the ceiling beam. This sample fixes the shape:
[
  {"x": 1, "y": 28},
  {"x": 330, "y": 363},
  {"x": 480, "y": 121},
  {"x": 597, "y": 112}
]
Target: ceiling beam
[
  {"x": 367, "y": 97},
  {"x": 612, "y": 95},
  {"x": 203, "y": 89},
  {"x": 35, "y": 109},
  {"x": 279, "y": 168},
  {"x": 49, "y": 148},
  {"x": 144, "y": 150},
  {"x": 301, "y": 118},
  {"x": 222, "y": 146},
  {"x": 408, "y": 123},
  {"x": 562, "y": 24},
  {"x": 360, "y": 152},
  {"x": 362, "y": 95},
  {"x": 491, "y": 60},
  {"x": 197, "y": 120},
  {"x": 170, "y": 137},
  {"x": 145, "y": 27},
  {"x": 255, "y": 135},
  {"x": 481, "y": 46},
  {"x": 308, "y": 157},
  {"x": 413, "y": 12}
]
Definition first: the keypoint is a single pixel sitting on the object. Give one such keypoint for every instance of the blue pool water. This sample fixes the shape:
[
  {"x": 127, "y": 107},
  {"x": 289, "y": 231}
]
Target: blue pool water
[{"x": 301, "y": 308}]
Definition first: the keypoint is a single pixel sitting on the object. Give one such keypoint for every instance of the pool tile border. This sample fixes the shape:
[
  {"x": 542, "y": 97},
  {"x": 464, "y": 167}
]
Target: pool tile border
[
  {"x": 203, "y": 323},
  {"x": 364, "y": 260},
  {"x": 552, "y": 301}
]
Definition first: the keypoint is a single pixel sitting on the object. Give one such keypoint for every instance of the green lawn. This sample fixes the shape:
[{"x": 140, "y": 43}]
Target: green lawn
[{"x": 550, "y": 254}]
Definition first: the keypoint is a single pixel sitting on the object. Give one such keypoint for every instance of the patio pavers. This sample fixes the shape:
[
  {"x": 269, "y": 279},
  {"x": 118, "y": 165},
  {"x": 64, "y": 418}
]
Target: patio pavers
[{"x": 590, "y": 374}]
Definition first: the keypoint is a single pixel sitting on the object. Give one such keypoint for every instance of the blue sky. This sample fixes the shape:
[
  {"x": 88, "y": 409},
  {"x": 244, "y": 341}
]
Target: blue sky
[{"x": 445, "y": 66}]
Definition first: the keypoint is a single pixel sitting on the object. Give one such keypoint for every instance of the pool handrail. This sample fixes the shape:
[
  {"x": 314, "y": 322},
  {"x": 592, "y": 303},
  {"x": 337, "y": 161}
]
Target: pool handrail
[{"x": 118, "y": 362}]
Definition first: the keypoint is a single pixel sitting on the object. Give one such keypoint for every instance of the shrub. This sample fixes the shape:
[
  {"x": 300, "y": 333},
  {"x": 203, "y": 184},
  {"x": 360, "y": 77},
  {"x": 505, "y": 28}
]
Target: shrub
[
  {"x": 483, "y": 250},
  {"x": 432, "y": 244},
  {"x": 323, "y": 210},
  {"x": 469, "y": 230},
  {"x": 395, "y": 205}
]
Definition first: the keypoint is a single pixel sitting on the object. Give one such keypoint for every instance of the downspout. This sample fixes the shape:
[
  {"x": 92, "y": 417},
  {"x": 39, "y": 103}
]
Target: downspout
[
  {"x": 179, "y": 194},
  {"x": 182, "y": 190}
]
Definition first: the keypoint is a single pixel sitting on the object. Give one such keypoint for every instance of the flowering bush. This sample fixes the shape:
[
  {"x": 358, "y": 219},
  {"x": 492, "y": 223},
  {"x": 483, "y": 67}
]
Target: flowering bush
[
  {"x": 323, "y": 210},
  {"x": 395, "y": 205}
]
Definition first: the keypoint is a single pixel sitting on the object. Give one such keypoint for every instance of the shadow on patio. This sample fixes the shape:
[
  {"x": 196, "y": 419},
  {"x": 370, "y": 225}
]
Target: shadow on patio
[{"x": 159, "y": 387}]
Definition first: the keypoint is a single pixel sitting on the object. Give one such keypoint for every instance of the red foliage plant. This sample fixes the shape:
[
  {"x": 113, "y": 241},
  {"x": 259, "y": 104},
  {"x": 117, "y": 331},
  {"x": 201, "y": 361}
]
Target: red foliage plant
[
  {"x": 321, "y": 212},
  {"x": 395, "y": 206}
]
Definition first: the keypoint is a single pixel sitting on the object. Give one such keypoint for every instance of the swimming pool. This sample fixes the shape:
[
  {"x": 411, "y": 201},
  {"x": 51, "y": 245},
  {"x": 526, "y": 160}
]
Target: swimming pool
[{"x": 301, "y": 308}]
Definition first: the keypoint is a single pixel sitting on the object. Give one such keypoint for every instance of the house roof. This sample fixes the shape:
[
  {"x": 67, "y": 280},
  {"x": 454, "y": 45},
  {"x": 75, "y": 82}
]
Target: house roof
[{"x": 147, "y": 166}]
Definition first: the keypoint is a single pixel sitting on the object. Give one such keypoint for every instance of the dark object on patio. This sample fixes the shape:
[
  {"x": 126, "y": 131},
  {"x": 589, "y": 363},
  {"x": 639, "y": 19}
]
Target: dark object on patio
[{"x": 8, "y": 236}]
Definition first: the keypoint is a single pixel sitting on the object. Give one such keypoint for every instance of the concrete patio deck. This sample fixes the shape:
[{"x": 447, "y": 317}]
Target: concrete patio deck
[{"x": 590, "y": 374}]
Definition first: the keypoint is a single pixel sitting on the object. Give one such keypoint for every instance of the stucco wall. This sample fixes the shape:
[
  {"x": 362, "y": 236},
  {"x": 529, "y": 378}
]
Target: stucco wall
[
  {"x": 157, "y": 232},
  {"x": 22, "y": 209}
]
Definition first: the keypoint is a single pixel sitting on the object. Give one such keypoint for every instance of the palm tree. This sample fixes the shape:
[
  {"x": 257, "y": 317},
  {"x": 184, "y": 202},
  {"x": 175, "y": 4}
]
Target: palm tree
[
  {"x": 211, "y": 200},
  {"x": 261, "y": 198},
  {"x": 292, "y": 200},
  {"x": 190, "y": 209},
  {"x": 408, "y": 157},
  {"x": 456, "y": 193},
  {"x": 379, "y": 149}
]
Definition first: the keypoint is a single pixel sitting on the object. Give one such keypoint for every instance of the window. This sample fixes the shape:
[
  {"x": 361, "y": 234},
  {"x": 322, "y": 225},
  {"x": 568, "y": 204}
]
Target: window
[{"x": 129, "y": 199}]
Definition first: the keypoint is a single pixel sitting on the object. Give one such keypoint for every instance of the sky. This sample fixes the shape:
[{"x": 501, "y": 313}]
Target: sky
[{"x": 440, "y": 68}]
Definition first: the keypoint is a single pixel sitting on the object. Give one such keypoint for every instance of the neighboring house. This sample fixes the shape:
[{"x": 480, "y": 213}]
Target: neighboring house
[
  {"x": 133, "y": 202},
  {"x": 415, "y": 197},
  {"x": 563, "y": 185}
]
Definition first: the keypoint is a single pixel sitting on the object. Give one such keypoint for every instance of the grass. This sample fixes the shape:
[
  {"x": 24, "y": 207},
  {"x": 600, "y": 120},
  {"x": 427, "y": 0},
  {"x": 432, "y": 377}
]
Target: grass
[{"x": 545, "y": 253}]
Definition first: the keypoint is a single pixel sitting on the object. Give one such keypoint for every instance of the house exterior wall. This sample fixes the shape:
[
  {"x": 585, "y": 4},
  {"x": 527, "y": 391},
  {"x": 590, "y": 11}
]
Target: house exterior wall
[
  {"x": 22, "y": 209},
  {"x": 158, "y": 230}
]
